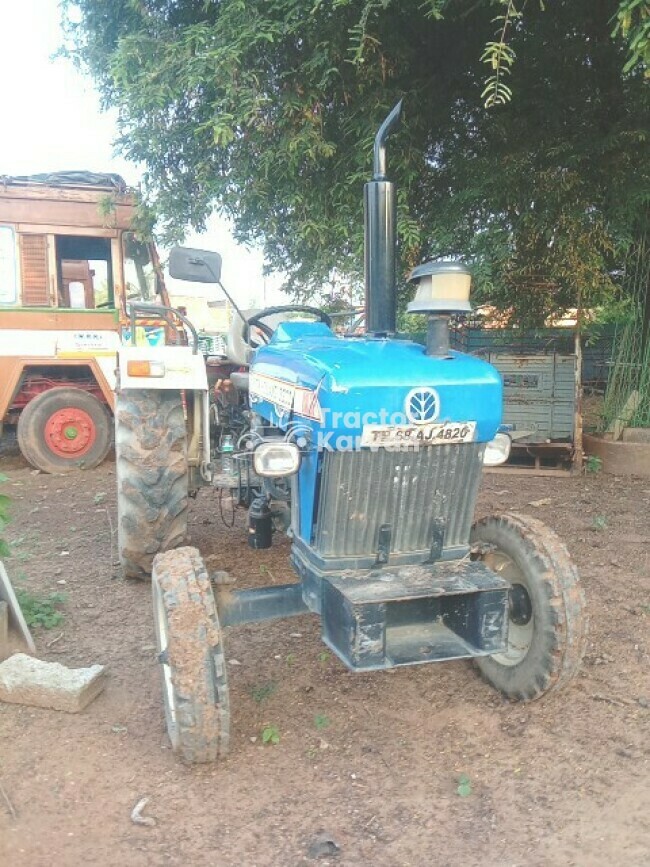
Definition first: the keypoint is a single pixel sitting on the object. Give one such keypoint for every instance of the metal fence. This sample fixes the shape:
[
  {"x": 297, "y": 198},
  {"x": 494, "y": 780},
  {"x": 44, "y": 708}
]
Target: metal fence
[{"x": 597, "y": 350}]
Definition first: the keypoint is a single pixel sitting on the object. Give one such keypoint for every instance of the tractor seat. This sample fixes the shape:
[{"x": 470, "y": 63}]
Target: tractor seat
[
  {"x": 237, "y": 349},
  {"x": 239, "y": 379}
]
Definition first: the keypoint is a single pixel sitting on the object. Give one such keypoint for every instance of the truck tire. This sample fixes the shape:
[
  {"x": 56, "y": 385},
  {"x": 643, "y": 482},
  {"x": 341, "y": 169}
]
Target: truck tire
[
  {"x": 190, "y": 652},
  {"x": 152, "y": 477},
  {"x": 64, "y": 429},
  {"x": 547, "y": 612}
]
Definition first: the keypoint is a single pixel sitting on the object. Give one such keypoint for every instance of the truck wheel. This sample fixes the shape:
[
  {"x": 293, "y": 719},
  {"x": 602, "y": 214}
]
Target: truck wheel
[
  {"x": 64, "y": 429},
  {"x": 190, "y": 650},
  {"x": 547, "y": 627},
  {"x": 152, "y": 477}
]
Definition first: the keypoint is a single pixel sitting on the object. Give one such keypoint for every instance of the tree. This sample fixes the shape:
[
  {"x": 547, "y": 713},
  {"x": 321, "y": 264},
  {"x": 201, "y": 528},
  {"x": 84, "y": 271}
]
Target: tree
[{"x": 267, "y": 109}]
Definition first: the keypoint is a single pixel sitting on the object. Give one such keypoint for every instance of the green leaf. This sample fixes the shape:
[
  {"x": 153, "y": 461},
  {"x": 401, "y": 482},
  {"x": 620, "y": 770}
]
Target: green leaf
[
  {"x": 5, "y": 550},
  {"x": 270, "y": 735},
  {"x": 294, "y": 121},
  {"x": 464, "y": 786}
]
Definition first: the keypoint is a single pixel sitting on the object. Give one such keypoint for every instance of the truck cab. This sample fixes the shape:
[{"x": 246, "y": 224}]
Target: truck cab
[{"x": 70, "y": 266}]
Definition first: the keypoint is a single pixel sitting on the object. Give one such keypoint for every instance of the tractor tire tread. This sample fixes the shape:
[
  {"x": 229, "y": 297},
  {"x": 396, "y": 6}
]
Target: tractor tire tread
[
  {"x": 565, "y": 630},
  {"x": 152, "y": 477},
  {"x": 195, "y": 656}
]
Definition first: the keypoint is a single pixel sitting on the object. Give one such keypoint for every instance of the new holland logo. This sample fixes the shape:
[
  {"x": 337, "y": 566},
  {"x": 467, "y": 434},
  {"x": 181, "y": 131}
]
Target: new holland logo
[{"x": 422, "y": 405}]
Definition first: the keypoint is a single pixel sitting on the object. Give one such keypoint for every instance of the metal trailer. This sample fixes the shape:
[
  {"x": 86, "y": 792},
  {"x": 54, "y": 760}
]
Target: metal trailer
[
  {"x": 370, "y": 451},
  {"x": 539, "y": 407}
]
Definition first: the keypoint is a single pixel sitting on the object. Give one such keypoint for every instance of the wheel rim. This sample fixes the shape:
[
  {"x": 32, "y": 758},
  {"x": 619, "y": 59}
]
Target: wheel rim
[
  {"x": 162, "y": 642},
  {"x": 70, "y": 432},
  {"x": 521, "y": 616}
]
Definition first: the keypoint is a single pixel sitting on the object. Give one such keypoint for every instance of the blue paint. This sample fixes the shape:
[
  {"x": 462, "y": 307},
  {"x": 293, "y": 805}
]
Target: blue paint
[{"x": 358, "y": 378}]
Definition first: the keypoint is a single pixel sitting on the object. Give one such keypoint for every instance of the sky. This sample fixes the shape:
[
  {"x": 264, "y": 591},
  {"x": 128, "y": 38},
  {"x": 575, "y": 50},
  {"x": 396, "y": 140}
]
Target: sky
[{"x": 52, "y": 122}]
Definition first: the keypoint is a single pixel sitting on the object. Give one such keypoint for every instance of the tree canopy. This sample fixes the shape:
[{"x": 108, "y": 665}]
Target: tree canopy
[{"x": 266, "y": 110}]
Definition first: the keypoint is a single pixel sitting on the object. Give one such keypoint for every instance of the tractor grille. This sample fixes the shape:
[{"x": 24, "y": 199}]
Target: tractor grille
[{"x": 362, "y": 490}]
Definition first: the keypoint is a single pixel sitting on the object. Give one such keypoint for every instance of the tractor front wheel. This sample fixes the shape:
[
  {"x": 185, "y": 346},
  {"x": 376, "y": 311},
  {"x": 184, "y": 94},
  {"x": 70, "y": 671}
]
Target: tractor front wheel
[
  {"x": 64, "y": 429},
  {"x": 152, "y": 477},
  {"x": 190, "y": 651},
  {"x": 547, "y": 625}
]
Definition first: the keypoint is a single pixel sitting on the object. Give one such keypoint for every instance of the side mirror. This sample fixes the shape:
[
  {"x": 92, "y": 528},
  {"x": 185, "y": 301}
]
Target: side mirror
[{"x": 198, "y": 266}]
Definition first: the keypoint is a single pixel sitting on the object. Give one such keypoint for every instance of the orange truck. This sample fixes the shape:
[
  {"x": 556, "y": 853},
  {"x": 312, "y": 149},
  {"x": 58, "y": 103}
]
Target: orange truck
[{"x": 70, "y": 268}]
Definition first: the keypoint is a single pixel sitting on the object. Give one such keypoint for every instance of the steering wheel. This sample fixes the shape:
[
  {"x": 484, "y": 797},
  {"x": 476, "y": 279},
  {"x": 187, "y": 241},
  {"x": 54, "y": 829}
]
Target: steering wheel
[{"x": 266, "y": 331}]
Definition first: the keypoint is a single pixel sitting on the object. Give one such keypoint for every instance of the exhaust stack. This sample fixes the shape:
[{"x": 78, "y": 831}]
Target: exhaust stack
[{"x": 380, "y": 236}]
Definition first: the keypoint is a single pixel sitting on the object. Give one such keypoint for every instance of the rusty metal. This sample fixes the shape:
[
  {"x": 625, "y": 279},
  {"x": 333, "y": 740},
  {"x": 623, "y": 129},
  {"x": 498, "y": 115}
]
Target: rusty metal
[{"x": 415, "y": 614}]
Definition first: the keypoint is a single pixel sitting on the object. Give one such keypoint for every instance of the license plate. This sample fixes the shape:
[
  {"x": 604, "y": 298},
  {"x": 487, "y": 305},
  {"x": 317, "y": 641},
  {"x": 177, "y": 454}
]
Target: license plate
[{"x": 434, "y": 434}]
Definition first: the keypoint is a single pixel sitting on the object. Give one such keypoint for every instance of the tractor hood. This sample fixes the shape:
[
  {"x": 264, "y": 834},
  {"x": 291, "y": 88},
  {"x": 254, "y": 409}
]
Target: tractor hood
[{"x": 307, "y": 377}]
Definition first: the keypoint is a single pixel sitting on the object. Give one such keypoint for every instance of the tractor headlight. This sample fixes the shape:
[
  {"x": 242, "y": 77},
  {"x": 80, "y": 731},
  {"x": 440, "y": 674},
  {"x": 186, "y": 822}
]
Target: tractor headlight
[
  {"x": 276, "y": 459},
  {"x": 497, "y": 451}
]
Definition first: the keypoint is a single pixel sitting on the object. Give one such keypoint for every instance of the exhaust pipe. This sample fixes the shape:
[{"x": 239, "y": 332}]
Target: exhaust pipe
[{"x": 380, "y": 236}]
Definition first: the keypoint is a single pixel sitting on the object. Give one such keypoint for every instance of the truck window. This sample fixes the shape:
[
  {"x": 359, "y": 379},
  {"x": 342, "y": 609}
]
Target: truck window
[
  {"x": 85, "y": 273},
  {"x": 139, "y": 272},
  {"x": 8, "y": 266}
]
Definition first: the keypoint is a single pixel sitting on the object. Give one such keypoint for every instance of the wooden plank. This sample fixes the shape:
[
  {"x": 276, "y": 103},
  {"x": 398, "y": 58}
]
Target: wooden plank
[
  {"x": 34, "y": 270},
  {"x": 63, "y": 213},
  {"x": 78, "y": 231},
  {"x": 54, "y": 271},
  {"x": 10, "y": 371},
  {"x": 69, "y": 194},
  {"x": 59, "y": 319},
  {"x": 506, "y": 469},
  {"x": 578, "y": 454}
]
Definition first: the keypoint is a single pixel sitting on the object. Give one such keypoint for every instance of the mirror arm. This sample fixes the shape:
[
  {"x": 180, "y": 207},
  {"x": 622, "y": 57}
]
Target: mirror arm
[{"x": 229, "y": 297}]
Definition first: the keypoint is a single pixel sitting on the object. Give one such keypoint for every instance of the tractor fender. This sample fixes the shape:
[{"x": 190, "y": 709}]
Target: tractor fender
[{"x": 173, "y": 368}]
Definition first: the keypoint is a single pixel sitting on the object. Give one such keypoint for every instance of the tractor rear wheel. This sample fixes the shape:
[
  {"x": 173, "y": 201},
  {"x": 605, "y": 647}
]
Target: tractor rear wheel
[
  {"x": 190, "y": 651},
  {"x": 64, "y": 429},
  {"x": 152, "y": 477},
  {"x": 547, "y": 628}
]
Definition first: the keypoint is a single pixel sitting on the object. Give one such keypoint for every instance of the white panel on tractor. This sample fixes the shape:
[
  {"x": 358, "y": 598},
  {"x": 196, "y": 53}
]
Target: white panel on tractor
[{"x": 173, "y": 368}]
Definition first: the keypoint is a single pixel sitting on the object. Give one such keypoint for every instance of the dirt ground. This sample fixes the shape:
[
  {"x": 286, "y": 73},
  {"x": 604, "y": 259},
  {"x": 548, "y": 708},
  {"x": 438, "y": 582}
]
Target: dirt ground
[{"x": 372, "y": 760}]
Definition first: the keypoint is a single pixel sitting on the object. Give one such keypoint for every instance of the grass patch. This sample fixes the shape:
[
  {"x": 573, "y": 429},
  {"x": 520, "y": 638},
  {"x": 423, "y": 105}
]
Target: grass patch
[
  {"x": 593, "y": 464},
  {"x": 262, "y": 692},
  {"x": 41, "y": 610},
  {"x": 599, "y": 523}
]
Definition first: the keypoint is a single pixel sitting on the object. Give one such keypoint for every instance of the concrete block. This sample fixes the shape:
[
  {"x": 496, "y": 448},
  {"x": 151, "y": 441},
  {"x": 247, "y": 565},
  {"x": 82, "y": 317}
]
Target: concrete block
[
  {"x": 636, "y": 435},
  {"x": 619, "y": 458},
  {"x": 25, "y": 680}
]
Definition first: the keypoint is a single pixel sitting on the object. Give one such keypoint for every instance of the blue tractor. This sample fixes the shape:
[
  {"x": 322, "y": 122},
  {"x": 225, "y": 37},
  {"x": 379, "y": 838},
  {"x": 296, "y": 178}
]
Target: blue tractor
[{"x": 368, "y": 451}]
